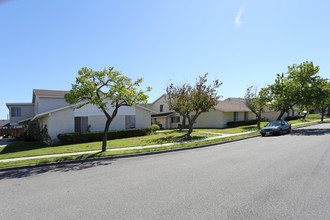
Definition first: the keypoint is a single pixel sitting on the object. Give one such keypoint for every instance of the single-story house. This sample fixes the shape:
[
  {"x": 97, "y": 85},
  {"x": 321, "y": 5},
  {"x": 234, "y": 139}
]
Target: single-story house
[{"x": 230, "y": 109}]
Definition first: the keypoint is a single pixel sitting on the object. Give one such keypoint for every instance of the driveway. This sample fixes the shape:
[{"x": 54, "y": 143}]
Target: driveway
[{"x": 3, "y": 142}]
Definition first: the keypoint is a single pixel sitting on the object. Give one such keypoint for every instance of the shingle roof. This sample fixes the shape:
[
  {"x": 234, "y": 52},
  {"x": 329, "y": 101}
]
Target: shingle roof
[
  {"x": 3, "y": 122},
  {"x": 230, "y": 107}
]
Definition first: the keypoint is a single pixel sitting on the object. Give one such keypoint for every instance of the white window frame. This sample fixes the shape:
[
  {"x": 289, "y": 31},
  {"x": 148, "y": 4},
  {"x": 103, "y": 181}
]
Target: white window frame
[
  {"x": 82, "y": 129},
  {"x": 246, "y": 116},
  {"x": 175, "y": 119},
  {"x": 14, "y": 112}
]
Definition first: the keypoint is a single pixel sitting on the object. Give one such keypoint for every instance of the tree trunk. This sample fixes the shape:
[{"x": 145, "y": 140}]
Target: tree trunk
[
  {"x": 183, "y": 122},
  {"x": 305, "y": 115},
  {"x": 258, "y": 121},
  {"x": 323, "y": 111},
  {"x": 280, "y": 116},
  {"x": 190, "y": 128},
  {"x": 105, "y": 135}
]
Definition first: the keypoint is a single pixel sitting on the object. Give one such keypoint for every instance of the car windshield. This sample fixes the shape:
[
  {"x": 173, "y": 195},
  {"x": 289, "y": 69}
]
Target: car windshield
[{"x": 273, "y": 124}]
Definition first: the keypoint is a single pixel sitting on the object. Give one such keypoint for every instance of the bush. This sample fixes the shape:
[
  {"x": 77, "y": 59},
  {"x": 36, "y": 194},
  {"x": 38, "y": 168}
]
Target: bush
[
  {"x": 35, "y": 133},
  {"x": 289, "y": 118},
  {"x": 233, "y": 124},
  {"x": 154, "y": 128},
  {"x": 75, "y": 138}
]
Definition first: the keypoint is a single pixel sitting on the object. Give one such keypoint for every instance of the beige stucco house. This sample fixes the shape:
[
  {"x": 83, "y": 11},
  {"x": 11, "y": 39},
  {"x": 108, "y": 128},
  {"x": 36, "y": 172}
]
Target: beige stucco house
[
  {"x": 230, "y": 109},
  {"x": 216, "y": 118},
  {"x": 48, "y": 108}
]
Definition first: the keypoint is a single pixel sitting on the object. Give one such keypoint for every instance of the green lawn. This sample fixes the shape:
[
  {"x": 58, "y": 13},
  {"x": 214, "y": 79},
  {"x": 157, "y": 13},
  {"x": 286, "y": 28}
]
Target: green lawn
[
  {"x": 121, "y": 152},
  {"x": 27, "y": 149}
]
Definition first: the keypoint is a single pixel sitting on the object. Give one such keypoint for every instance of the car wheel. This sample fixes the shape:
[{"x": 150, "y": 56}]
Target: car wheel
[
  {"x": 263, "y": 135},
  {"x": 281, "y": 132},
  {"x": 289, "y": 131}
]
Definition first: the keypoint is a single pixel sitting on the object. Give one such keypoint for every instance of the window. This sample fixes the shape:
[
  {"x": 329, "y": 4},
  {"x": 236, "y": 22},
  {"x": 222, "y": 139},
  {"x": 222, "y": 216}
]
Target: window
[
  {"x": 161, "y": 108},
  {"x": 80, "y": 124},
  {"x": 235, "y": 116},
  {"x": 15, "y": 112},
  {"x": 175, "y": 119},
  {"x": 246, "y": 116},
  {"x": 129, "y": 121}
]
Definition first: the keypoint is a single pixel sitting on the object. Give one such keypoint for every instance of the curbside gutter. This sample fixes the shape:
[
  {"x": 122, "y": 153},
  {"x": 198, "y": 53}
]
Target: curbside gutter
[
  {"x": 133, "y": 154},
  {"x": 123, "y": 155}
]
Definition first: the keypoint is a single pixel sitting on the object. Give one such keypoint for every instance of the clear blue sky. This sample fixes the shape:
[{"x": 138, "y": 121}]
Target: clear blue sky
[{"x": 43, "y": 44}]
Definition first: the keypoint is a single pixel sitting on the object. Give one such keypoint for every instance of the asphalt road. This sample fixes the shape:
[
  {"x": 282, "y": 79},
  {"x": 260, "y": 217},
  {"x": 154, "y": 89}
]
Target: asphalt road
[{"x": 280, "y": 177}]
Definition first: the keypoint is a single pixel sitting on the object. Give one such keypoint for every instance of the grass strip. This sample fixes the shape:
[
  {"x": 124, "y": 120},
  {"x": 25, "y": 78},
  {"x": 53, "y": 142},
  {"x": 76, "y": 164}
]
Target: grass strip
[{"x": 120, "y": 152}]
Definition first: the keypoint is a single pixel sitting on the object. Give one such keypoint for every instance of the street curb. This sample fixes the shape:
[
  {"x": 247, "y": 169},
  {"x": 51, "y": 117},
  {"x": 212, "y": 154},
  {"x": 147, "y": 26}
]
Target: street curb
[
  {"x": 123, "y": 155},
  {"x": 133, "y": 154}
]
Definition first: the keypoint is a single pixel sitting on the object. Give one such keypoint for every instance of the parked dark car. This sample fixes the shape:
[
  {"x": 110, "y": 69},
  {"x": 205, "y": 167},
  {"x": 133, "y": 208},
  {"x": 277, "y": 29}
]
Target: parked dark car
[{"x": 276, "y": 127}]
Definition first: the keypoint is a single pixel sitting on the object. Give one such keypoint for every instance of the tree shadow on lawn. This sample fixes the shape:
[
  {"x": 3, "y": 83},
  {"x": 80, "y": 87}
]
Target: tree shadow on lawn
[
  {"x": 64, "y": 167},
  {"x": 19, "y": 146},
  {"x": 171, "y": 139}
]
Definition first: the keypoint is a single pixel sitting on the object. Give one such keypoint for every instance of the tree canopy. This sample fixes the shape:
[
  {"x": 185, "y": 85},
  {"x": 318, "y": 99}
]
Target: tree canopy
[
  {"x": 192, "y": 100},
  {"x": 105, "y": 88},
  {"x": 256, "y": 101}
]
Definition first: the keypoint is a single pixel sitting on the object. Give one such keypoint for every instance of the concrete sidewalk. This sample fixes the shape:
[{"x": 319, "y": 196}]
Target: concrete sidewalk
[{"x": 134, "y": 148}]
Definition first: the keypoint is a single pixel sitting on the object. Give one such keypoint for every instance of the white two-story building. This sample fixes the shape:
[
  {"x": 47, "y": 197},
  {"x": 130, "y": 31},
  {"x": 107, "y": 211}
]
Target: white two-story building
[{"x": 48, "y": 108}]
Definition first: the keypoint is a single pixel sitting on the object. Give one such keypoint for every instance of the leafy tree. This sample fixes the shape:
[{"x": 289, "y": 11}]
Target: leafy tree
[
  {"x": 104, "y": 88},
  {"x": 256, "y": 101},
  {"x": 282, "y": 94},
  {"x": 294, "y": 88},
  {"x": 322, "y": 95},
  {"x": 191, "y": 101},
  {"x": 303, "y": 78}
]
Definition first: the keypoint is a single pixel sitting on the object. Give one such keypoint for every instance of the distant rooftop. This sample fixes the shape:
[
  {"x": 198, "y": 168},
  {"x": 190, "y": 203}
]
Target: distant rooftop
[
  {"x": 3, "y": 123},
  {"x": 231, "y": 107},
  {"x": 44, "y": 92}
]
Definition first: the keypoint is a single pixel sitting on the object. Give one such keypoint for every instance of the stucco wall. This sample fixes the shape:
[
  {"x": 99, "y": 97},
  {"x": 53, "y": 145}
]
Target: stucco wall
[
  {"x": 97, "y": 122},
  {"x": 161, "y": 101},
  {"x": 27, "y": 111},
  {"x": 92, "y": 110},
  {"x": 211, "y": 119},
  {"x": 47, "y": 104},
  {"x": 142, "y": 118},
  {"x": 272, "y": 115},
  {"x": 59, "y": 122}
]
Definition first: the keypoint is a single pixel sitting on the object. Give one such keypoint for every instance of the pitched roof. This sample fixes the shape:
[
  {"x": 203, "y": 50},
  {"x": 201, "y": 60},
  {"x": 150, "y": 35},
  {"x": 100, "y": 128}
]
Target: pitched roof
[
  {"x": 162, "y": 114},
  {"x": 74, "y": 105},
  {"x": 44, "y": 92},
  {"x": 3, "y": 122},
  {"x": 230, "y": 107}
]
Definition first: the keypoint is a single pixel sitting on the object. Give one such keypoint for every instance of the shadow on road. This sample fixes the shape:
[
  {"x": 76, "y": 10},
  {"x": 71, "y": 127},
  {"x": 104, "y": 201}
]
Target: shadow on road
[
  {"x": 310, "y": 132},
  {"x": 21, "y": 173}
]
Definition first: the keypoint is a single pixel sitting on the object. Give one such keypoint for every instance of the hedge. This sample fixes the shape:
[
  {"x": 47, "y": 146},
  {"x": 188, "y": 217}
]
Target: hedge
[
  {"x": 74, "y": 138},
  {"x": 233, "y": 124},
  {"x": 289, "y": 118}
]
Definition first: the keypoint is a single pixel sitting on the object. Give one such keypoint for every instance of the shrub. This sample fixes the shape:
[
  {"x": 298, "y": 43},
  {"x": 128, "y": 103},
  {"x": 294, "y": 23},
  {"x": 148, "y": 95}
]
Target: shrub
[
  {"x": 35, "y": 133},
  {"x": 74, "y": 138},
  {"x": 154, "y": 128},
  {"x": 289, "y": 118},
  {"x": 233, "y": 124}
]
